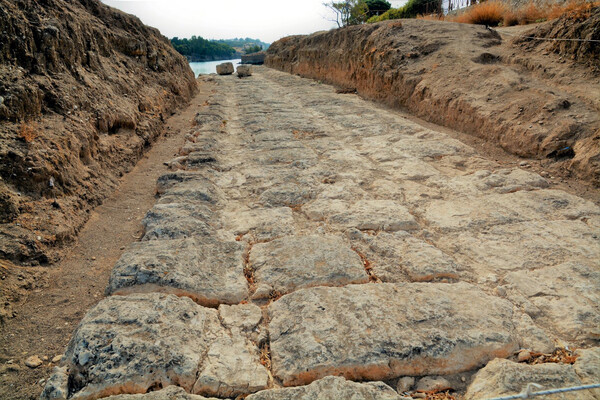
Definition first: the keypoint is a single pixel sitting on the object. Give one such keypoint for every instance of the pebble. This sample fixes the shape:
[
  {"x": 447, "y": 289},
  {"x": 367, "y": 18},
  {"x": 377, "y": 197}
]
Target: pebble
[
  {"x": 56, "y": 359},
  {"x": 405, "y": 384},
  {"x": 523, "y": 163},
  {"x": 33, "y": 362},
  {"x": 433, "y": 383},
  {"x": 524, "y": 355},
  {"x": 545, "y": 174},
  {"x": 93, "y": 258}
]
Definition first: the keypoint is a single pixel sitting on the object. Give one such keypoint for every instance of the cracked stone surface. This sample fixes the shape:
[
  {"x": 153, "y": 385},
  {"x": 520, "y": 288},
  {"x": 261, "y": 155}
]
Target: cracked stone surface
[
  {"x": 295, "y": 262},
  {"x": 303, "y": 240},
  {"x": 210, "y": 272},
  {"x": 382, "y": 331}
]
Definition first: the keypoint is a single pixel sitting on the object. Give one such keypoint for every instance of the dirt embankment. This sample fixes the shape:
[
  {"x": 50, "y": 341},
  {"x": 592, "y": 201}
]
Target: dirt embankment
[
  {"x": 84, "y": 89},
  {"x": 541, "y": 103}
]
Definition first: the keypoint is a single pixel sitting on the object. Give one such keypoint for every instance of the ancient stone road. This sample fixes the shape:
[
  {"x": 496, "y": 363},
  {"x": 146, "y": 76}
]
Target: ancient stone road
[{"x": 309, "y": 244}]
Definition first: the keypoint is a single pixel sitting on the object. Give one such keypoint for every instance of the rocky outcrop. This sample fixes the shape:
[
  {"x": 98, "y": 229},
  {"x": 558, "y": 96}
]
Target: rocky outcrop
[
  {"x": 466, "y": 77},
  {"x": 254, "y": 58},
  {"x": 84, "y": 90}
]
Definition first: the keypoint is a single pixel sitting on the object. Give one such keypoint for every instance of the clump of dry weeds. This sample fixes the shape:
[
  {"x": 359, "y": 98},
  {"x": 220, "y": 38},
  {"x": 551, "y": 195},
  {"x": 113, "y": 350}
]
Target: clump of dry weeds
[{"x": 28, "y": 131}]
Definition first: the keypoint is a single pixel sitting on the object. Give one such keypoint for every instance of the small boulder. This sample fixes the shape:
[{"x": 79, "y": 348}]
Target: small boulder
[
  {"x": 33, "y": 362},
  {"x": 225, "y": 69},
  {"x": 244, "y": 70},
  {"x": 433, "y": 383}
]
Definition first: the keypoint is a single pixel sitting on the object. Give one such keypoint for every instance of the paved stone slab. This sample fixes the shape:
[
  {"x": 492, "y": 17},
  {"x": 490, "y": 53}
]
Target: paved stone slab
[
  {"x": 130, "y": 344},
  {"x": 169, "y": 393},
  {"x": 184, "y": 186},
  {"x": 331, "y": 387},
  {"x": 564, "y": 298},
  {"x": 260, "y": 223},
  {"x": 294, "y": 262},
  {"x": 383, "y": 331},
  {"x": 179, "y": 220},
  {"x": 288, "y": 194},
  {"x": 403, "y": 253},
  {"x": 505, "y": 378},
  {"x": 295, "y": 156},
  {"x": 525, "y": 245},
  {"x": 378, "y": 215},
  {"x": 508, "y": 208},
  {"x": 209, "y": 271}
]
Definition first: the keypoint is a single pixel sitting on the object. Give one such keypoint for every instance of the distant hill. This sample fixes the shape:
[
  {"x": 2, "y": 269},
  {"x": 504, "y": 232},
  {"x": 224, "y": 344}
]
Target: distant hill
[
  {"x": 199, "y": 49},
  {"x": 240, "y": 43}
]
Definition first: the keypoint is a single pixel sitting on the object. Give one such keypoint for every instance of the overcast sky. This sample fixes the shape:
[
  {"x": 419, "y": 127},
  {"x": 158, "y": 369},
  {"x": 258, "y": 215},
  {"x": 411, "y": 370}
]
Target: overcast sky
[{"x": 267, "y": 20}]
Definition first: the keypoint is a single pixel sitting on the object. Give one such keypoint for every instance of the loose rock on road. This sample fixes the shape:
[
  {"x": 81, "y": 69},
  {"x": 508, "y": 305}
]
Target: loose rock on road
[{"x": 309, "y": 244}]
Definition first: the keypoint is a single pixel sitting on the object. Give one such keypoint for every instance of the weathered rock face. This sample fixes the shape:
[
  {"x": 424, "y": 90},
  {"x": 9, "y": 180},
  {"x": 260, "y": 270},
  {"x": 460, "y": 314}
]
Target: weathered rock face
[
  {"x": 243, "y": 71},
  {"x": 254, "y": 58},
  {"x": 503, "y": 377},
  {"x": 85, "y": 89},
  {"x": 130, "y": 344},
  {"x": 383, "y": 331},
  {"x": 225, "y": 69},
  {"x": 415, "y": 64}
]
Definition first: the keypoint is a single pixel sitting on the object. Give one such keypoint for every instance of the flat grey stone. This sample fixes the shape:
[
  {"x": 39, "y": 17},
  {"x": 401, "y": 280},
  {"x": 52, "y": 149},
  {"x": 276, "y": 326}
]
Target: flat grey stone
[
  {"x": 378, "y": 215},
  {"x": 131, "y": 344},
  {"x": 209, "y": 271},
  {"x": 179, "y": 220},
  {"x": 289, "y": 195},
  {"x": 402, "y": 253},
  {"x": 183, "y": 186},
  {"x": 260, "y": 223},
  {"x": 169, "y": 393},
  {"x": 331, "y": 387},
  {"x": 564, "y": 298},
  {"x": 524, "y": 245},
  {"x": 294, "y": 262},
  {"x": 383, "y": 331},
  {"x": 505, "y": 378}
]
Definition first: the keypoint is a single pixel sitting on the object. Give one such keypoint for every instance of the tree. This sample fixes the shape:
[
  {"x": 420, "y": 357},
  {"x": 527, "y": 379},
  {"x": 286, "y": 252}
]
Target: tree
[
  {"x": 348, "y": 12},
  {"x": 377, "y": 7},
  {"x": 253, "y": 48}
]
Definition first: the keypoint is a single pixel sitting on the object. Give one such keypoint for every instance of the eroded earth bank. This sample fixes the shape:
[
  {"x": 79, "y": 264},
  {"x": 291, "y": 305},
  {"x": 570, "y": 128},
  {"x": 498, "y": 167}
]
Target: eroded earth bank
[
  {"x": 537, "y": 99},
  {"x": 310, "y": 244}
]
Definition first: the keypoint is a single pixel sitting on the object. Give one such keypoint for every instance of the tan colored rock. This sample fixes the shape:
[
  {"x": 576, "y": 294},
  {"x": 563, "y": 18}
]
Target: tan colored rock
[
  {"x": 520, "y": 246},
  {"x": 225, "y": 69},
  {"x": 243, "y": 71},
  {"x": 433, "y": 383},
  {"x": 231, "y": 368},
  {"x": 565, "y": 298},
  {"x": 331, "y": 387},
  {"x": 179, "y": 220},
  {"x": 380, "y": 215},
  {"x": 405, "y": 384},
  {"x": 383, "y": 331},
  {"x": 169, "y": 393},
  {"x": 33, "y": 362},
  {"x": 209, "y": 271},
  {"x": 295, "y": 262},
  {"x": 403, "y": 253},
  {"x": 128, "y": 344},
  {"x": 505, "y": 378},
  {"x": 261, "y": 223}
]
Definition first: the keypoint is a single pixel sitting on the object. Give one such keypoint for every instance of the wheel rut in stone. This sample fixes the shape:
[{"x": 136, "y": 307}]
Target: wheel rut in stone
[{"x": 308, "y": 244}]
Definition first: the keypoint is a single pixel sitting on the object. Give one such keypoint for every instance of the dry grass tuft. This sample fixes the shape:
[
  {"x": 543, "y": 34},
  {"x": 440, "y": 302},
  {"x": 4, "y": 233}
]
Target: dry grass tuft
[
  {"x": 489, "y": 13},
  {"x": 28, "y": 131},
  {"x": 574, "y": 9},
  {"x": 559, "y": 356},
  {"x": 531, "y": 13}
]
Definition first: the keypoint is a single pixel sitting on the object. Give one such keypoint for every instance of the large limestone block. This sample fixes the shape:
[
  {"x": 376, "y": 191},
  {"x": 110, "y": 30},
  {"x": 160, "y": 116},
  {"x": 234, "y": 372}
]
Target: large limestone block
[
  {"x": 194, "y": 191},
  {"x": 564, "y": 298},
  {"x": 287, "y": 194},
  {"x": 225, "y": 69},
  {"x": 132, "y": 344},
  {"x": 504, "y": 378},
  {"x": 402, "y": 253},
  {"x": 378, "y": 215},
  {"x": 179, "y": 220},
  {"x": 171, "y": 179},
  {"x": 497, "y": 209},
  {"x": 330, "y": 388},
  {"x": 302, "y": 157},
  {"x": 243, "y": 71},
  {"x": 524, "y": 245},
  {"x": 209, "y": 271},
  {"x": 294, "y": 262},
  {"x": 218, "y": 378},
  {"x": 383, "y": 331},
  {"x": 260, "y": 223},
  {"x": 169, "y": 393},
  {"x": 128, "y": 344}
]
